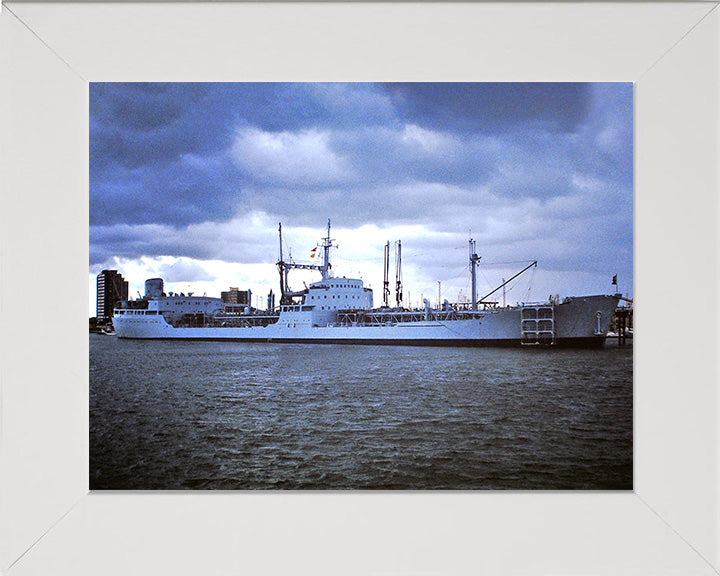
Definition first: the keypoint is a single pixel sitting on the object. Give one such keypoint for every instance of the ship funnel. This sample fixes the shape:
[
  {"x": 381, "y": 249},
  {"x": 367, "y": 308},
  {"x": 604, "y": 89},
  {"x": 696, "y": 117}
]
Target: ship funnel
[{"x": 154, "y": 288}]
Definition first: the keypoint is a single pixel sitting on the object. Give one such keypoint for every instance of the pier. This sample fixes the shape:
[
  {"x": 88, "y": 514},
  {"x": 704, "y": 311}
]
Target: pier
[{"x": 623, "y": 324}]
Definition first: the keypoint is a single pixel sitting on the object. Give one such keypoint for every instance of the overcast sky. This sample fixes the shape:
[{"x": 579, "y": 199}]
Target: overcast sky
[{"x": 189, "y": 181}]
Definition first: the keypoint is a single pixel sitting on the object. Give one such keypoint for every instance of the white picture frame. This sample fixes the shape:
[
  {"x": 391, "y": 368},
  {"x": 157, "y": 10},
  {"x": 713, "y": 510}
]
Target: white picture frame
[{"x": 50, "y": 524}]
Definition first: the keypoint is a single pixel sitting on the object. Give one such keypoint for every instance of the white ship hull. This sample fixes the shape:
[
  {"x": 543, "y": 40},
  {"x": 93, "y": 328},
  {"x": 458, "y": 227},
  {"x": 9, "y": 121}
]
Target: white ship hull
[{"x": 579, "y": 321}]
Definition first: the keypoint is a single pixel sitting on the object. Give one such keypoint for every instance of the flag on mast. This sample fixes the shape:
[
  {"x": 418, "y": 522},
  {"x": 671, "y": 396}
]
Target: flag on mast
[
  {"x": 614, "y": 280},
  {"x": 313, "y": 252}
]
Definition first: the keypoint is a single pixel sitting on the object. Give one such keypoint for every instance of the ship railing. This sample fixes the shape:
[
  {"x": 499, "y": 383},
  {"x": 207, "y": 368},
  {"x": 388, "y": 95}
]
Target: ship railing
[
  {"x": 224, "y": 321},
  {"x": 220, "y": 320},
  {"x": 394, "y": 317}
]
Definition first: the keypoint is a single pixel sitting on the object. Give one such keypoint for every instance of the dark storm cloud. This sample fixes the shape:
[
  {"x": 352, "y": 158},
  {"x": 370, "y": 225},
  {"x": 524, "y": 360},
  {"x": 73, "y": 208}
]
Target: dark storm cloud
[
  {"x": 527, "y": 167},
  {"x": 141, "y": 124},
  {"x": 491, "y": 107},
  {"x": 141, "y": 136}
]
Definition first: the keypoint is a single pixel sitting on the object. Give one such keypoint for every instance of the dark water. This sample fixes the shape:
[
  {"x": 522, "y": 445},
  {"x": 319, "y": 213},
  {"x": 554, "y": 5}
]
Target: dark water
[{"x": 210, "y": 415}]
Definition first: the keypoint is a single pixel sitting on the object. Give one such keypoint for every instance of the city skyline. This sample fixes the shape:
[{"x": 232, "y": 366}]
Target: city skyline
[{"x": 189, "y": 181}]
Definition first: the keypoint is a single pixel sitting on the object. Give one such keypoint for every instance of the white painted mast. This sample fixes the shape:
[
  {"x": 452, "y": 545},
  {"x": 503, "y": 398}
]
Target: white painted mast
[
  {"x": 327, "y": 244},
  {"x": 285, "y": 267},
  {"x": 386, "y": 281},
  {"x": 398, "y": 274},
  {"x": 473, "y": 272}
]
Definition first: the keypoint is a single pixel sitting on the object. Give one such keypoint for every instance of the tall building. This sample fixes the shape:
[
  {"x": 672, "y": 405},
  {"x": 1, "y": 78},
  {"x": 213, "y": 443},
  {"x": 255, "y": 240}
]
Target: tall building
[
  {"x": 111, "y": 288},
  {"x": 237, "y": 296}
]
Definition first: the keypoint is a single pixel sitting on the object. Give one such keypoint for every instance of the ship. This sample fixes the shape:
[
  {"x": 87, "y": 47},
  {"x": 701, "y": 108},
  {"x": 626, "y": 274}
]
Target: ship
[{"x": 339, "y": 310}]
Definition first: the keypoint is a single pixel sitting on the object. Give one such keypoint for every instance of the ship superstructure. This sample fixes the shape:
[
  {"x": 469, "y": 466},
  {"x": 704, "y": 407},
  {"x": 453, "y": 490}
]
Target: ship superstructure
[{"x": 340, "y": 310}]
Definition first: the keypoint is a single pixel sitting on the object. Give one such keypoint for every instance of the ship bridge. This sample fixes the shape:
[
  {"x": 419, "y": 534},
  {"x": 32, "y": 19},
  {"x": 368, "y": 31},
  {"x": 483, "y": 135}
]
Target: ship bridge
[{"x": 339, "y": 294}]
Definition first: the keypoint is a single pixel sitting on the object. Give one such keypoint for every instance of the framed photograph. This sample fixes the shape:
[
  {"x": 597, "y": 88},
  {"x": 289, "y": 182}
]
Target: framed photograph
[
  {"x": 245, "y": 354},
  {"x": 52, "y": 54}
]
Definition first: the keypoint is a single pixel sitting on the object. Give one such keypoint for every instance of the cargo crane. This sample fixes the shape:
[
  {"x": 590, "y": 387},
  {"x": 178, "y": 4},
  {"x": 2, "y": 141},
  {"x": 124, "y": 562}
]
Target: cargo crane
[{"x": 286, "y": 295}]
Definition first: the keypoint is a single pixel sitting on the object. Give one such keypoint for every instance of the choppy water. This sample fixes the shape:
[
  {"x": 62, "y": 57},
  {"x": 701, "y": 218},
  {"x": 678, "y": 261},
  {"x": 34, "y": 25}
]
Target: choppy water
[{"x": 212, "y": 415}]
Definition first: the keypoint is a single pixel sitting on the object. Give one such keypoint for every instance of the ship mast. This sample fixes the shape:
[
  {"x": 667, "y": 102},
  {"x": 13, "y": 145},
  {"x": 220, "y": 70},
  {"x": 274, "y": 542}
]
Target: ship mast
[
  {"x": 474, "y": 258},
  {"x": 284, "y": 268},
  {"x": 386, "y": 281},
  {"x": 398, "y": 273},
  {"x": 327, "y": 244}
]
